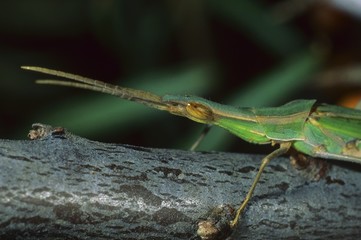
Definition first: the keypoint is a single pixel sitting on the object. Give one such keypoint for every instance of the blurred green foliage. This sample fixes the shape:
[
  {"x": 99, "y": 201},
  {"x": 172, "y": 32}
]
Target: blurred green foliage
[{"x": 233, "y": 52}]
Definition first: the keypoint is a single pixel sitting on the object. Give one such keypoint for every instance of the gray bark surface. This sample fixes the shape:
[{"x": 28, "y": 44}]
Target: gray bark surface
[{"x": 62, "y": 186}]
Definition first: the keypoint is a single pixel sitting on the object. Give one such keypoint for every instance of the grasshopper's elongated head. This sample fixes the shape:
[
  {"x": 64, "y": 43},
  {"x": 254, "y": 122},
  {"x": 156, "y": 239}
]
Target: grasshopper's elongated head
[
  {"x": 239, "y": 121},
  {"x": 194, "y": 108}
]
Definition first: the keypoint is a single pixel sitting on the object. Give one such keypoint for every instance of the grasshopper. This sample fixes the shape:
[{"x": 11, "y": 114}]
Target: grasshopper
[{"x": 318, "y": 130}]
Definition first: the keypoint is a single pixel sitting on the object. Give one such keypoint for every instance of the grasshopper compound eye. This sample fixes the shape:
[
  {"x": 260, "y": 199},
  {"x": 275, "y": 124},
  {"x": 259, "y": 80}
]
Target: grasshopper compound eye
[{"x": 199, "y": 112}]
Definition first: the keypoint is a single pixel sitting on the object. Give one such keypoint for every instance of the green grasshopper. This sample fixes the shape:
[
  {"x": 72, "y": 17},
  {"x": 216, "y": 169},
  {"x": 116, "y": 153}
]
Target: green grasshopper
[{"x": 317, "y": 130}]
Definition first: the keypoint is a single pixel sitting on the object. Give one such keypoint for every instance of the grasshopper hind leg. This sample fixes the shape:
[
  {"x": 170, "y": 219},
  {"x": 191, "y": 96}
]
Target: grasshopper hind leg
[{"x": 284, "y": 147}]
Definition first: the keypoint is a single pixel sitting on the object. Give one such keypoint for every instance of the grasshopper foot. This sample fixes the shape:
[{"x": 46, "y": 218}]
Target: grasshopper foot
[
  {"x": 216, "y": 225},
  {"x": 312, "y": 168}
]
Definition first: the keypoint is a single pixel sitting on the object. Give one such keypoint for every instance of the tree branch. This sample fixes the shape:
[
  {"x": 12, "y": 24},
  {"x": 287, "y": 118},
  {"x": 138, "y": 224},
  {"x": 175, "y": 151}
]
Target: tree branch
[{"x": 61, "y": 186}]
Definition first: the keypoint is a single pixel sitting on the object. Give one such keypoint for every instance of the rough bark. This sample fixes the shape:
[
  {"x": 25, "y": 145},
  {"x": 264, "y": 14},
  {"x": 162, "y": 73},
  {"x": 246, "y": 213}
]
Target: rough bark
[{"x": 61, "y": 186}]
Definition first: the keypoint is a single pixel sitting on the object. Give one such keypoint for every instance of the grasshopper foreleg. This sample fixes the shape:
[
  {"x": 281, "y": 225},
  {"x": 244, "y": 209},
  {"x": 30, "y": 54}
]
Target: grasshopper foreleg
[
  {"x": 201, "y": 137},
  {"x": 284, "y": 147}
]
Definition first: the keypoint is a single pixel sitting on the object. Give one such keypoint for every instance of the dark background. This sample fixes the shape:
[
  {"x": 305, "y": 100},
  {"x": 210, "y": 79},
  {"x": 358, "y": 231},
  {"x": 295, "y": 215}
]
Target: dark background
[{"x": 244, "y": 53}]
